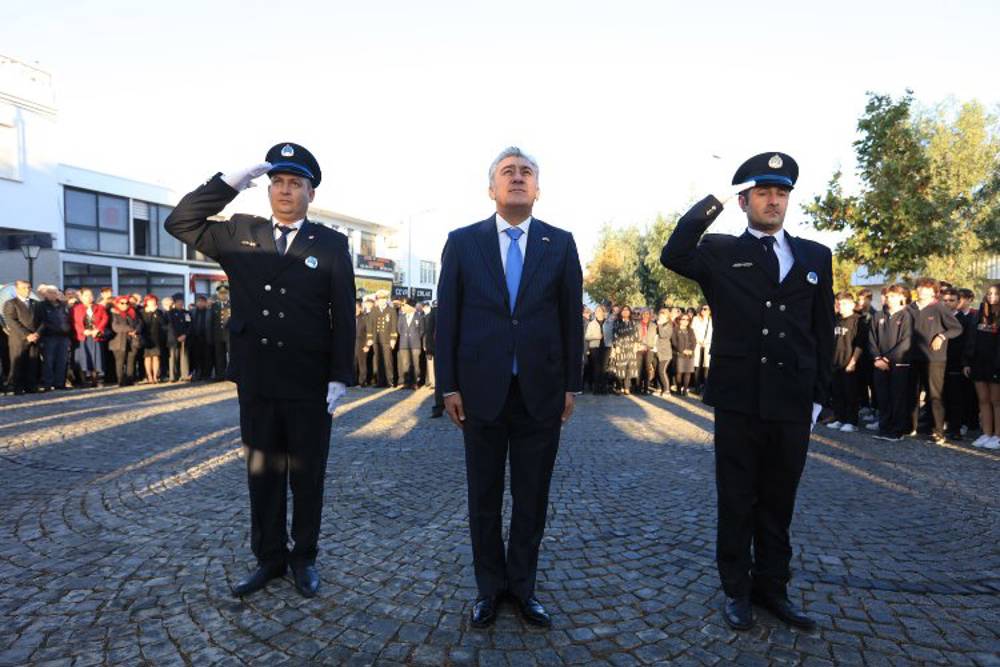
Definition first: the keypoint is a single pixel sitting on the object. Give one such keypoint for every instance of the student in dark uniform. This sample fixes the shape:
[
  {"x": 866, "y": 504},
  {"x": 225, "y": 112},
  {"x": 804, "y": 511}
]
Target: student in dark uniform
[
  {"x": 849, "y": 339},
  {"x": 766, "y": 388},
  {"x": 410, "y": 341},
  {"x": 981, "y": 364},
  {"x": 934, "y": 324},
  {"x": 291, "y": 335},
  {"x": 889, "y": 342}
]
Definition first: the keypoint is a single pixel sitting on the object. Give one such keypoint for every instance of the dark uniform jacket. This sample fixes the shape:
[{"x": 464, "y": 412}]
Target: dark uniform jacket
[
  {"x": 383, "y": 325},
  {"x": 221, "y": 311},
  {"x": 891, "y": 336},
  {"x": 178, "y": 324},
  {"x": 772, "y": 343},
  {"x": 361, "y": 328},
  {"x": 478, "y": 336},
  {"x": 928, "y": 322},
  {"x": 291, "y": 330},
  {"x": 56, "y": 321},
  {"x": 430, "y": 326}
]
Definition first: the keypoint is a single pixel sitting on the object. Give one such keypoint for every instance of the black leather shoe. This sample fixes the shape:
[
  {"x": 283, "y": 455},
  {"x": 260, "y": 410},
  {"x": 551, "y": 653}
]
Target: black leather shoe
[
  {"x": 534, "y": 613},
  {"x": 484, "y": 612},
  {"x": 782, "y": 608},
  {"x": 436, "y": 413},
  {"x": 306, "y": 579},
  {"x": 738, "y": 613},
  {"x": 258, "y": 579}
]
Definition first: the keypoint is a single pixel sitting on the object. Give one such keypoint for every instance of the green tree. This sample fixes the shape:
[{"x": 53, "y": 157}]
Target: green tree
[
  {"x": 612, "y": 273},
  {"x": 665, "y": 286},
  {"x": 894, "y": 223},
  {"x": 928, "y": 202}
]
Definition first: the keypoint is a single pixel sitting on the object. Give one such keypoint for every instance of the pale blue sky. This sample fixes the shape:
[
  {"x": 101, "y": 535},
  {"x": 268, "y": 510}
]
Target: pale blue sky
[{"x": 405, "y": 104}]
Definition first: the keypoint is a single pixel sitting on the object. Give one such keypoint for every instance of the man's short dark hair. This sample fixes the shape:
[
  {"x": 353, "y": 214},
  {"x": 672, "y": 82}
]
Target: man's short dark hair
[
  {"x": 898, "y": 288},
  {"x": 864, "y": 293},
  {"x": 948, "y": 291},
  {"x": 927, "y": 282},
  {"x": 966, "y": 293},
  {"x": 841, "y": 296}
]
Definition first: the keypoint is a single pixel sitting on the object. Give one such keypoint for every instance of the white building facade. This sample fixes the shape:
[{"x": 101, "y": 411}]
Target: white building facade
[{"x": 99, "y": 230}]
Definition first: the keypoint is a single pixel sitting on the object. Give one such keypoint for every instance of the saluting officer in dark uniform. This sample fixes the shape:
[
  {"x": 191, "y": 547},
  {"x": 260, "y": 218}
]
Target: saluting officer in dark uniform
[
  {"x": 766, "y": 388},
  {"x": 360, "y": 345},
  {"x": 383, "y": 322},
  {"x": 291, "y": 338},
  {"x": 221, "y": 312}
]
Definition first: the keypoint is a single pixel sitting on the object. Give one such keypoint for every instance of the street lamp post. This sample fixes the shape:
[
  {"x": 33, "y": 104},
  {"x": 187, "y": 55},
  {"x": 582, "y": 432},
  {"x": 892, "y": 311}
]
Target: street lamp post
[
  {"x": 409, "y": 249},
  {"x": 30, "y": 253}
]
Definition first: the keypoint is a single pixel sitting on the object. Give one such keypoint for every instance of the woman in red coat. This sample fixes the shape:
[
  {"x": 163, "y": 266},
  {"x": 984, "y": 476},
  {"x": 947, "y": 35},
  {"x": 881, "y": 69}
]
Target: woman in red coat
[{"x": 89, "y": 322}]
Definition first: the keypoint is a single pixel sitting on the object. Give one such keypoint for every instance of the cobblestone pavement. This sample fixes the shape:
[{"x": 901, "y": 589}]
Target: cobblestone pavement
[{"x": 123, "y": 519}]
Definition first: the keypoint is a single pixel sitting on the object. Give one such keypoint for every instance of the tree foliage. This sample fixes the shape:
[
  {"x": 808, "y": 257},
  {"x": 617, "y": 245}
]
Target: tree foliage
[
  {"x": 928, "y": 195},
  {"x": 626, "y": 267}
]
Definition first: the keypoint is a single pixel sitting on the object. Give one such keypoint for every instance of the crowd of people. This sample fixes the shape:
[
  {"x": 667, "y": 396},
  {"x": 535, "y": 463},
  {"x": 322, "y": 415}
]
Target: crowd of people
[
  {"x": 79, "y": 338},
  {"x": 923, "y": 361}
]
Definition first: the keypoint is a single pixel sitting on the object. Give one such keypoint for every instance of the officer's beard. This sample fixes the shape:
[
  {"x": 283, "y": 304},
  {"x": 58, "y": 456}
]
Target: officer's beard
[{"x": 769, "y": 224}]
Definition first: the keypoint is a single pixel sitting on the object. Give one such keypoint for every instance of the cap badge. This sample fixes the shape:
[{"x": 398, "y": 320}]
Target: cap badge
[
  {"x": 774, "y": 163},
  {"x": 288, "y": 151},
  {"x": 311, "y": 262},
  {"x": 812, "y": 277}
]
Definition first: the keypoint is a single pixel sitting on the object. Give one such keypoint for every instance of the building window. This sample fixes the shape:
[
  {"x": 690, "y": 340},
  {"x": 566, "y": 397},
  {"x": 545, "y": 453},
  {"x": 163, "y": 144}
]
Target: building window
[
  {"x": 10, "y": 143},
  {"x": 96, "y": 222},
  {"x": 428, "y": 272},
  {"x": 147, "y": 282},
  {"x": 78, "y": 276},
  {"x": 150, "y": 238},
  {"x": 367, "y": 244}
]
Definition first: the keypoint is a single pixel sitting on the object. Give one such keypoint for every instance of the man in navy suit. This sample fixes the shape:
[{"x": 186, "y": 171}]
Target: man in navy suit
[{"x": 509, "y": 346}]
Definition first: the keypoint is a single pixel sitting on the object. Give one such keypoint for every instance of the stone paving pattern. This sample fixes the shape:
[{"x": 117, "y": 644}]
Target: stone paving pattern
[{"x": 124, "y": 518}]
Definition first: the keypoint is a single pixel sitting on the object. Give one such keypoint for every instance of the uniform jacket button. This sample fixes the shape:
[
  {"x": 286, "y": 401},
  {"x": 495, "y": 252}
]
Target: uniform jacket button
[
  {"x": 781, "y": 335},
  {"x": 267, "y": 288},
  {"x": 263, "y": 341},
  {"x": 764, "y": 331},
  {"x": 281, "y": 314},
  {"x": 265, "y": 312},
  {"x": 767, "y": 303},
  {"x": 280, "y": 344},
  {"x": 282, "y": 290},
  {"x": 515, "y": 323},
  {"x": 781, "y": 307},
  {"x": 763, "y": 360}
]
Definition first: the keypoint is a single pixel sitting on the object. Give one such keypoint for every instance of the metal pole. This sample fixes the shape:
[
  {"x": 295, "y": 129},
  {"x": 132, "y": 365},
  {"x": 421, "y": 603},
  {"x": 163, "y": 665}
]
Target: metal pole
[
  {"x": 409, "y": 258},
  {"x": 31, "y": 272}
]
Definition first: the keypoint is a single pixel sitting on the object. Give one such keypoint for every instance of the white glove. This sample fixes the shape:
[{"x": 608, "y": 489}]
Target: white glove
[
  {"x": 730, "y": 191},
  {"x": 333, "y": 393},
  {"x": 817, "y": 408},
  {"x": 243, "y": 178}
]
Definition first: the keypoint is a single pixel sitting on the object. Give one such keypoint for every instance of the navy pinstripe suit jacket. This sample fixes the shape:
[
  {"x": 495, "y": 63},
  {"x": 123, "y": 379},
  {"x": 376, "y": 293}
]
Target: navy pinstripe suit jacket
[{"x": 477, "y": 335}]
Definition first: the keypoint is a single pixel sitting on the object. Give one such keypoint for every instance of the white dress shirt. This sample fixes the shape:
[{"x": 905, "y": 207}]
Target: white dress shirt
[
  {"x": 781, "y": 250},
  {"x": 522, "y": 242},
  {"x": 288, "y": 237}
]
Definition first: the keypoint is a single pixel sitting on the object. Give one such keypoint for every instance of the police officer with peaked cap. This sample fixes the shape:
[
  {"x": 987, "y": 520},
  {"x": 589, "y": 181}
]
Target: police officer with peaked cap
[
  {"x": 766, "y": 388},
  {"x": 383, "y": 325},
  {"x": 291, "y": 337}
]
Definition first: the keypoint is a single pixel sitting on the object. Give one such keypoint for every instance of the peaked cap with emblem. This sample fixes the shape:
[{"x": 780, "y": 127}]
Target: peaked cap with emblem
[
  {"x": 769, "y": 169},
  {"x": 289, "y": 158}
]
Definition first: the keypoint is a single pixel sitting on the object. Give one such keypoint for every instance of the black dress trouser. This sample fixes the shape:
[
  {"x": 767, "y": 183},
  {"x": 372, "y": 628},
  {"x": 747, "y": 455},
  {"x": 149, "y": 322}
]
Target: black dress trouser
[
  {"x": 844, "y": 392},
  {"x": 532, "y": 445},
  {"x": 758, "y": 464},
  {"x": 893, "y": 390},
  {"x": 286, "y": 443}
]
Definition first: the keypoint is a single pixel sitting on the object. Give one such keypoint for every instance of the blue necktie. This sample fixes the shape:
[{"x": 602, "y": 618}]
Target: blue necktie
[{"x": 515, "y": 263}]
